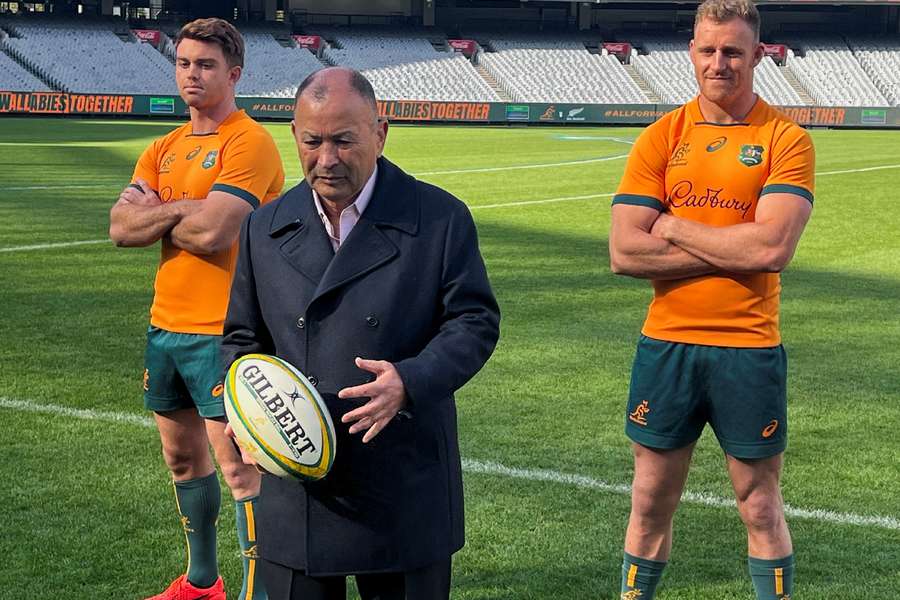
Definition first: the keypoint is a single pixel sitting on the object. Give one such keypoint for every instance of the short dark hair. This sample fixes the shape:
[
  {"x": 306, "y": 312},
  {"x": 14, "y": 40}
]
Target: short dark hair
[
  {"x": 219, "y": 32},
  {"x": 358, "y": 82}
]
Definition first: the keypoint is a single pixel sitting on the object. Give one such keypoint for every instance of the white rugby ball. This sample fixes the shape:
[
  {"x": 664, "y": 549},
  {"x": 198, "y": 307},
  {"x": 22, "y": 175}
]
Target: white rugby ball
[{"x": 278, "y": 417}]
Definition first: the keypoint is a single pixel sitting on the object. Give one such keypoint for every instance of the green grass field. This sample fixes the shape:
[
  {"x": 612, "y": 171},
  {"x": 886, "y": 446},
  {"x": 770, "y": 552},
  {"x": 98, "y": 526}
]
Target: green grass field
[{"x": 86, "y": 505}]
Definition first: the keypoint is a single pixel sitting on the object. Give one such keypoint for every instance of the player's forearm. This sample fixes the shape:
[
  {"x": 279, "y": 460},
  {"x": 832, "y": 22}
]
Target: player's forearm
[
  {"x": 136, "y": 225},
  {"x": 645, "y": 256},
  {"x": 747, "y": 247},
  {"x": 203, "y": 233}
]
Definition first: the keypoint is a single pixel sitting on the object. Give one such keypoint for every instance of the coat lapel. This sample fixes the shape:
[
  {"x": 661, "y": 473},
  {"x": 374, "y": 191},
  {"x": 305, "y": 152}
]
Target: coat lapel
[
  {"x": 393, "y": 204},
  {"x": 306, "y": 246}
]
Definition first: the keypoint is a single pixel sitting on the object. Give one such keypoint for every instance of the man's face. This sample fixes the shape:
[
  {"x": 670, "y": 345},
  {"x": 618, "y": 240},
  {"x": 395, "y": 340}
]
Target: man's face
[
  {"x": 724, "y": 55},
  {"x": 203, "y": 76},
  {"x": 339, "y": 139}
]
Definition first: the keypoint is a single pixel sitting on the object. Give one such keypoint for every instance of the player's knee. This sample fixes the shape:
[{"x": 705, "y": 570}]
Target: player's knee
[
  {"x": 240, "y": 478},
  {"x": 649, "y": 511},
  {"x": 761, "y": 511},
  {"x": 184, "y": 463}
]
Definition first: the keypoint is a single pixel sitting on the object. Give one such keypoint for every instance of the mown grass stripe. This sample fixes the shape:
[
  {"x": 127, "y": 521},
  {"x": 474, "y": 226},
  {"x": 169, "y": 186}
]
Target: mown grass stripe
[{"x": 498, "y": 469}]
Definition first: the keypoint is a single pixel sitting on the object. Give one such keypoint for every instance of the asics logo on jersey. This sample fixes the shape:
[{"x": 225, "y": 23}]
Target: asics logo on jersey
[
  {"x": 769, "y": 431},
  {"x": 193, "y": 153},
  {"x": 716, "y": 144},
  {"x": 639, "y": 415}
]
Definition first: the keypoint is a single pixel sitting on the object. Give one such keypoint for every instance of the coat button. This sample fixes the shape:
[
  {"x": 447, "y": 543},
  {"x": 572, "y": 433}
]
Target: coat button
[
  {"x": 313, "y": 380},
  {"x": 301, "y": 322},
  {"x": 372, "y": 321}
]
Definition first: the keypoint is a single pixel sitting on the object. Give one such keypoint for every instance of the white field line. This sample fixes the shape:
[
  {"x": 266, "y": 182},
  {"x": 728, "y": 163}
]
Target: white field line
[
  {"x": 474, "y": 207},
  {"x": 517, "y": 167},
  {"x": 493, "y": 468},
  {"x": 861, "y": 170},
  {"x": 542, "y": 201},
  {"x": 117, "y": 183},
  {"x": 56, "y": 245},
  {"x": 502, "y": 205}
]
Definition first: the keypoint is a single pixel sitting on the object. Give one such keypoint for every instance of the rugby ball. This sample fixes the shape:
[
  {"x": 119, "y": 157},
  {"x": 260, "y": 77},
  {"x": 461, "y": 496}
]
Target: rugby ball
[{"x": 278, "y": 417}]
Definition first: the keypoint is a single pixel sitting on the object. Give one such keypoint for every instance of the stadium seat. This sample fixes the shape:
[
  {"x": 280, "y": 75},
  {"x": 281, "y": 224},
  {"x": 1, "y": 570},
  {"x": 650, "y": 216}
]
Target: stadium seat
[
  {"x": 89, "y": 57},
  {"x": 405, "y": 65},
  {"x": 535, "y": 69}
]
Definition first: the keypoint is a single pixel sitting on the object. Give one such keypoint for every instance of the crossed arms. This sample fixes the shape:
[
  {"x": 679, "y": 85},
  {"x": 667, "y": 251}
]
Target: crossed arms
[
  {"x": 647, "y": 244},
  {"x": 140, "y": 218}
]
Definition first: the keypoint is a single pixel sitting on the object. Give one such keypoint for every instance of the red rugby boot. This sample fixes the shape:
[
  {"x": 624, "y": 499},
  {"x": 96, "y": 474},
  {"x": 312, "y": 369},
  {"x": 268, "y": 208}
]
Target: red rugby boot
[{"x": 181, "y": 589}]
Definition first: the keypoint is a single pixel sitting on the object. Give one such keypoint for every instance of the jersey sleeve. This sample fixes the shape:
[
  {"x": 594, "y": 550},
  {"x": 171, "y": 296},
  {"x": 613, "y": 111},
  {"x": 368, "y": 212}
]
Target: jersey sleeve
[
  {"x": 147, "y": 166},
  {"x": 793, "y": 167},
  {"x": 251, "y": 168},
  {"x": 644, "y": 180}
]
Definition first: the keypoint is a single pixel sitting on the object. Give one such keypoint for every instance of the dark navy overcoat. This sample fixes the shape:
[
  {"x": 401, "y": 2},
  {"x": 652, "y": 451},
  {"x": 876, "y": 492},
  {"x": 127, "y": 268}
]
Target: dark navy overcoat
[{"x": 408, "y": 286}]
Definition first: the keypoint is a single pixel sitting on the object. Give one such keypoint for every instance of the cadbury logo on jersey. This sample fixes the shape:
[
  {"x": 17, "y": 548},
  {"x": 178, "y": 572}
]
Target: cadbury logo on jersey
[{"x": 683, "y": 195}]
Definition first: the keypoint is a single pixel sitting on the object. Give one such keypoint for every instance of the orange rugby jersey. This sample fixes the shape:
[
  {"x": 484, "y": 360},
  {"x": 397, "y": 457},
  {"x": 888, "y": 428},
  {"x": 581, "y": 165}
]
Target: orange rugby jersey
[
  {"x": 240, "y": 157},
  {"x": 715, "y": 174}
]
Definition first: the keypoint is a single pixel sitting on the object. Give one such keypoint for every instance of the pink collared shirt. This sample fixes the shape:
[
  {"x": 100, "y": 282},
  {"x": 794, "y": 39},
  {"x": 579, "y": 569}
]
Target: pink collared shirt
[{"x": 349, "y": 216}]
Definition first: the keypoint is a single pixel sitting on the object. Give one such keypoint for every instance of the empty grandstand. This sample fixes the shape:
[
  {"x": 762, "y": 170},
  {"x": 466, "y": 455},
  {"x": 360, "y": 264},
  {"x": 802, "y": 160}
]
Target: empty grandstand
[
  {"x": 271, "y": 69},
  {"x": 13, "y": 76},
  {"x": 880, "y": 58},
  {"x": 831, "y": 73},
  {"x": 532, "y": 69},
  {"x": 407, "y": 65},
  {"x": 515, "y": 52},
  {"x": 666, "y": 66},
  {"x": 88, "y": 57}
]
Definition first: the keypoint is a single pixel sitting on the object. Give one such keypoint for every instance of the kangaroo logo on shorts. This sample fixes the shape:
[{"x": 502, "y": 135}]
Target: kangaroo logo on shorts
[
  {"x": 769, "y": 430},
  {"x": 639, "y": 415},
  {"x": 252, "y": 553},
  {"x": 146, "y": 380},
  {"x": 217, "y": 390}
]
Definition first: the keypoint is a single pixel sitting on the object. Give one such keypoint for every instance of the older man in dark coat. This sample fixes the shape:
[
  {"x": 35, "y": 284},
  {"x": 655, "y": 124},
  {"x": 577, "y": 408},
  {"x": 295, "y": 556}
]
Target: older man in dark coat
[{"x": 371, "y": 283}]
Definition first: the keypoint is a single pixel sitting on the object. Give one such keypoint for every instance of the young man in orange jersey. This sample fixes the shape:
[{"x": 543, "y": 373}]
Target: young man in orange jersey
[
  {"x": 191, "y": 189},
  {"x": 711, "y": 207}
]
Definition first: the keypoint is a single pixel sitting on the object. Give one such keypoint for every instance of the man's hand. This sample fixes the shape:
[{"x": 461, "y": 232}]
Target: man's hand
[
  {"x": 247, "y": 460},
  {"x": 145, "y": 196},
  {"x": 387, "y": 396},
  {"x": 662, "y": 225}
]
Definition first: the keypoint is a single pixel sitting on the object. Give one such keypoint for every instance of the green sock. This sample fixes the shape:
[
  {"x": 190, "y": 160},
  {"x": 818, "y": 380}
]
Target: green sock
[
  {"x": 772, "y": 579},
  {"x": 198, "y": 503},
  {"x": 640, "y": 577},
  {"x": 245, "y": 514}
]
